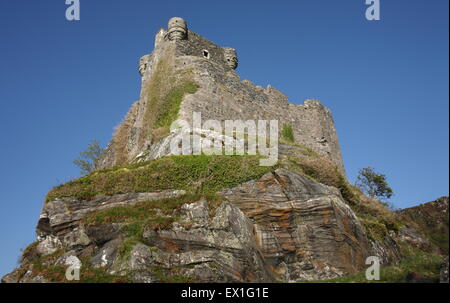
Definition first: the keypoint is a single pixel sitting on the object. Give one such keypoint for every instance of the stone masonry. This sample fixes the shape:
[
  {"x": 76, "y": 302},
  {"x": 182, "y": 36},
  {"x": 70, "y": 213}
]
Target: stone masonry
[{"x": 221, "y": 96}]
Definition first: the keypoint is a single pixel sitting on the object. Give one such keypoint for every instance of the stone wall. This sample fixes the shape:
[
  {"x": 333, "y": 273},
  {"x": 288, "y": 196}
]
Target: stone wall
[{"x": 222, "y": 96}]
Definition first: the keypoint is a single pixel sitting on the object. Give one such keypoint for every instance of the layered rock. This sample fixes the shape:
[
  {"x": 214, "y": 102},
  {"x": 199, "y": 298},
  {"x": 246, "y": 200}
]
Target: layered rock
[
  {"x": 305, "y": 229},
  {"x": 282, "y": 226}
]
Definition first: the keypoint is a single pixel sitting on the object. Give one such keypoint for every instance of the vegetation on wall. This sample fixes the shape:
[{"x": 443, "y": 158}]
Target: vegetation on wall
[
  {"x": 162, "y": 94},
  {"x": 194, "y": 174},
  {"x": 154, "y": 210},
  {"x": 287, "y": 133}
]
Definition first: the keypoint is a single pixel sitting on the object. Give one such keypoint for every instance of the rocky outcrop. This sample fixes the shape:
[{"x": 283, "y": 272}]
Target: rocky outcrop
[
  {"x": 221, "y": 248},
  {"x": 431, "y": 220},
  {"x": 304, "y": 229},
  {"x": 61, "y": 217},
  {"x": 283, "y": 226}
]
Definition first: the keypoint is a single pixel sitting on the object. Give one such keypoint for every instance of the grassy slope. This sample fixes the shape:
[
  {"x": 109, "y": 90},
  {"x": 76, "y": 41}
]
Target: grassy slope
[{"x": 205, "y": 174}]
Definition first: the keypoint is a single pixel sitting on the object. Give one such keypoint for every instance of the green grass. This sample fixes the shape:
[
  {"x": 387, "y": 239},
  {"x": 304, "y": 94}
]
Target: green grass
[
  {"x": 287, "y": 133},
  {"x": 163, "y": 94},
  {"x": 165, "y": 91},
  {"x": 145, "y": 210},
  {"x": 376, "y": 230},
  {"x": 171, "y": 102},
  {"x": 45, "y": 266},
  {"x": 414, "y": 261},
  {"x": 166, "y": 276},
  {"x": 194, "y": 174},
  {"x": 440, "y": 240},
  {"x": 127, "y": 246}
]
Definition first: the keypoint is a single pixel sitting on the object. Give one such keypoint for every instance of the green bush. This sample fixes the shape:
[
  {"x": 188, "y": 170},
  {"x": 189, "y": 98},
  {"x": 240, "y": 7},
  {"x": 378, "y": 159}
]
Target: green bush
[{"x": 287, "y": 133}]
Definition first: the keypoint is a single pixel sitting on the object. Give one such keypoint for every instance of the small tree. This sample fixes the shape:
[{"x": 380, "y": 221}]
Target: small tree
[
  {"x": 89, "y": 157},
  {"x": 373, "y": 184}
]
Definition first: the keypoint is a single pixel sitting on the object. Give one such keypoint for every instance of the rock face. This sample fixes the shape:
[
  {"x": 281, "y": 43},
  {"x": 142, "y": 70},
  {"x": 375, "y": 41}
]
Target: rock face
[
  {"x": 444, "y": 271},
  {"x": 281, "y": 227},
  {"x": 62, "y": 215},
  {"x": 181, "y": 54},
  {"x": 431, "y": 219},
  {"x": 304, "y": 229}
]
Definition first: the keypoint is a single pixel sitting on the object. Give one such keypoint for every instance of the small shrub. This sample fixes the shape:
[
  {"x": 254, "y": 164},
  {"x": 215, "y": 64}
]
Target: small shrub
[
  {"x": 29, "y": 253},
  {"x": 89, "y": 157},
  {"x": 287, "y": 133},
  {"x": 376, "y": 231},
  {"x": 373, "y": 184}
]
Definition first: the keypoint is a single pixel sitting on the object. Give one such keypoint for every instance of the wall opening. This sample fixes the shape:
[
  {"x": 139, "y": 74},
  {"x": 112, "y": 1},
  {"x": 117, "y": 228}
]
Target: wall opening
[{"x": 206, "y": 54}]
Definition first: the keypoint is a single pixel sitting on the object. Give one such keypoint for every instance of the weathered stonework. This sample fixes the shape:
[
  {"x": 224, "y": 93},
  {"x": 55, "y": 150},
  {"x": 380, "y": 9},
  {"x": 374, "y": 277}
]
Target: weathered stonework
[
  {"x": 231, "y": 57},
  {"x": 221, "y": 96},
  {"x": 177, "y": 29},
  {"x": 143, "y": 64}
]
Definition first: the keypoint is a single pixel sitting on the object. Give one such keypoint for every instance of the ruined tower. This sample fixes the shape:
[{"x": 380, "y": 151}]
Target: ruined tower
[{"x": 187, "y": 73}]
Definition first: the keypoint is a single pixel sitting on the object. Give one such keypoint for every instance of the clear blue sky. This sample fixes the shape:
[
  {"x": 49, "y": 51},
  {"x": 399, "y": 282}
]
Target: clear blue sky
[{"x": 63, "y": 83}]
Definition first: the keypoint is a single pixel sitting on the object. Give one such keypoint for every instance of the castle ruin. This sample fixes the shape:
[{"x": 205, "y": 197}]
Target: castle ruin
[{"x": 204, "y": 74}]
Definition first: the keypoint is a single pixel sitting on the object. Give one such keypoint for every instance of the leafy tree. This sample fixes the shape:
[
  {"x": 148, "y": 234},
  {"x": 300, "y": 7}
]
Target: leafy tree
[
  {"x": 373, "y": 184},
  {"x": 89, "y": 157}
]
